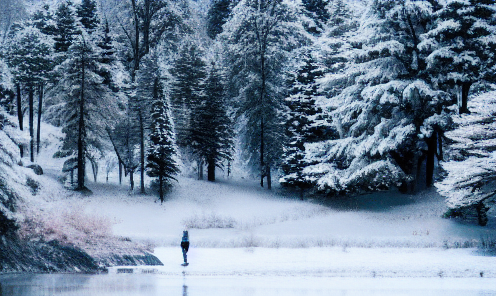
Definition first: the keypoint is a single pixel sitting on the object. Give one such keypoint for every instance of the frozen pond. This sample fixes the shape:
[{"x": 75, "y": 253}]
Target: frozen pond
[{"x": 247, "y": 285}]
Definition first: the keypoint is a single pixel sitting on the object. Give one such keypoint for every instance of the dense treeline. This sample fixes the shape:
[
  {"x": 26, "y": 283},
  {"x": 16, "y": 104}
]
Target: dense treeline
[{"x": 331, "y": 96}]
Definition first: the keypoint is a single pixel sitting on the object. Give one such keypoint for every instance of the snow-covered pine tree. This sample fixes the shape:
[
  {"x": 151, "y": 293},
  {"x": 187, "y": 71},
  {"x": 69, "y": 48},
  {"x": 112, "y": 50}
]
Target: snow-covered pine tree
[
  {"x": 385, "y": 116},
  {"x": 88, "y": 15},
  {"x": 461, "y": 45},
  {"x": 31, "y": 61},
  {"x": 213, "y": 124},
  {"x": 303, "y": 122},
  {"x": 318, "y": 13},
  {"x": 186, "y": 92},
  {"x": 140, "y": 103},
  {"x": 161, "y": 162},
  {"x": 65, "y": 27},
  {"x": 258, "y": 38},
  {"x": 87, "y": 106},
  {"x": 217, "y": 15},
  {"x": 44, "y": 20},
  {"x": 470, "y": 184}
]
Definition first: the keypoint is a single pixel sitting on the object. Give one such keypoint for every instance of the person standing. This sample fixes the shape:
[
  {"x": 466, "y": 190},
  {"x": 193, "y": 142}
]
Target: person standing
[{"x": 185, "y": 247}]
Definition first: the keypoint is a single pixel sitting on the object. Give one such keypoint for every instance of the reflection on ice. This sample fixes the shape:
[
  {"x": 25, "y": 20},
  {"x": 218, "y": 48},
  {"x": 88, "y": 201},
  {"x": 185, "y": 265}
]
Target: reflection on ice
[{"x": 139, "y": 284}]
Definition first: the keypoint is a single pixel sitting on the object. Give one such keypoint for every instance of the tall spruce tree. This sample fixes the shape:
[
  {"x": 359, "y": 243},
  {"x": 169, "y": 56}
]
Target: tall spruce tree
[
  {"x": 258, "y": 38},
  {"x": 87, "y": 105},
  {"x": 161, "y": 162},
  {"x": 461, "y": 45},
  {"x": 302, "y": 122},
  {"x": 88, "y": 16},
  {"x": 186, "y": 92},
  {"x": 215, "y": 126},
  {"x": 65, "y": 27}
]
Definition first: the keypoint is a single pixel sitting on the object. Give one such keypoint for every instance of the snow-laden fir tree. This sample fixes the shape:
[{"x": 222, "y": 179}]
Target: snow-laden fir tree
[
  {"x": 65, "y": 27},
  {"x": 213, "y": 125},
  {"x": 161, "y": 162},
  {"x": 140, "y": 103},
  {"x": 258, "y": 38},
  {"x": 318, "y": 14},
  {"x": 86, "y": 105},
  {"x": 217, "y": 15},
  {"x": 385, "y": 117},
  {"x": 88, "y": 16},
  {"x": 186, "y": 92},
  {"x": 470, "y": 184},
  {"x": 303, "y": 121},
  {"x": 461, "y": 45}
]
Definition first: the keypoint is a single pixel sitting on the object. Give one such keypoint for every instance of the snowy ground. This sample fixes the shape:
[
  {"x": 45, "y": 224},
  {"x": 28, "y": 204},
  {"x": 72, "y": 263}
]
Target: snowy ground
[{"x": 238, "y": 228}]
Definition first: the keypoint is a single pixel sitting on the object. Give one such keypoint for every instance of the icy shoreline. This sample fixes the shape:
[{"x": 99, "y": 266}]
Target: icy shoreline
[{"x": 323, "y": 262}]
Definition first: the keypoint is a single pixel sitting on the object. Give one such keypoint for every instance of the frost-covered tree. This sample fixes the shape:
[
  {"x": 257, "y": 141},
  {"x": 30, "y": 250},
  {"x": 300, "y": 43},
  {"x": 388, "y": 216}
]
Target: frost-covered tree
[
  {"x": 86, "y": 104},
  {"x": 140, "y": 104},
  {"x": 258, "y": 38},
  {"x": 217, "y": 16},
  {"x": 188, "y": 72},
  {"x": 303, "y": 121},
  {"x": 461, "y": 46},
  {"x": 65, "y": 27},
  {"x": 470, "y": 184},
  {"x": 162, "y": 151},
  {"x": 146, "y": 23},
  {"x": 88, "y": 16},
  {"x": 213, "y": 124},
  {"x": 31, "y": 61},
  {"x": 318, "y": 14},
  {"x": 386, "y": 118}
]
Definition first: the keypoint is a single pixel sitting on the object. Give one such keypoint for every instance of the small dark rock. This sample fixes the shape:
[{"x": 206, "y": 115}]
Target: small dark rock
[{"x": 36, "y": 169}]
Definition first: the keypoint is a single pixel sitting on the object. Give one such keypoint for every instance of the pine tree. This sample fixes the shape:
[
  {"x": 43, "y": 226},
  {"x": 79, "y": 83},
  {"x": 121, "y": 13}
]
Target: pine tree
[
  {"x": 87, "y": 105},
  {"x": 88, "y": 15},
  {"x": 188, "y": 75},
  {"x": 217, "y": 16},
  {"x": 214, "y": 125},
  {"x": 302, "y": 123},
  {"x": 471, "y": 161},
  {"x": 388, "y": 120},
  {"x": 66, "y": 27},
  {"x": 161, "y": 153},
  {"x": 259, "y": 37},
  {"x": 318, "y": 13},
  {"x": 461, "y": 45}
]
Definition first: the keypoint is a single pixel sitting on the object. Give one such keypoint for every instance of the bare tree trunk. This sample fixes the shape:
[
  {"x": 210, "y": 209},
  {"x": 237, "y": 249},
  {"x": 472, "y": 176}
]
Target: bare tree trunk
[
  {"x": 464, "y": 103},
  {"x": 31, "y": 122},
  {"x": 211, "y": 170},
  {"x": 262, "y": 164},
  {"x": 40, "y": 106},
  {"x": 81, "y": 164},
  {"x": 142, "y": 152},
  {"x": 200, "y": 169},
  {"x": 131, "y": 179},
  {"x": 94, "y": 168},
  {"x": 20, "y": 116},
  {"x": 269, "y": 178},
  {"x": 161, "y": 188},
  {"x": 431, "y": 153},
  {"x": 120, "y": 172}
]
